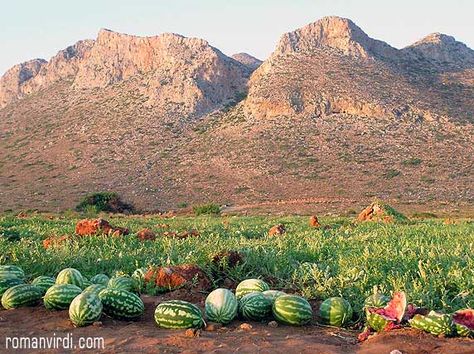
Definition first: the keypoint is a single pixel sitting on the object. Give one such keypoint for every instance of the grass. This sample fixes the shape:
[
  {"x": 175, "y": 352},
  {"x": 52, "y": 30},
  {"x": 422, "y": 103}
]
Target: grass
[{"x": 431, "y": 261}]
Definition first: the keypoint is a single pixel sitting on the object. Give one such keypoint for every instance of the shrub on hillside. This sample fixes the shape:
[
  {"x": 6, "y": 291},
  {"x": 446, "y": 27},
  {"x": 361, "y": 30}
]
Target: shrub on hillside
[
  {"x": 207, "y": 209},
  {"x": 104, "y": 201}
]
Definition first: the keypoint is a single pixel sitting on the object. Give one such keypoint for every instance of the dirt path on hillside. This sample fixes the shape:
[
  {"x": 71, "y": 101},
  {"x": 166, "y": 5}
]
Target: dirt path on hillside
[{"x": 144, "y": 336}]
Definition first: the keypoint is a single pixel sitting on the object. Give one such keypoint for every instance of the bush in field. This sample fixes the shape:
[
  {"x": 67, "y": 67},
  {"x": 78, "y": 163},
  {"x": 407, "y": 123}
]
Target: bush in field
[
  {"x": 104, "y": 201},
  {"x": 207, "y": 209}
]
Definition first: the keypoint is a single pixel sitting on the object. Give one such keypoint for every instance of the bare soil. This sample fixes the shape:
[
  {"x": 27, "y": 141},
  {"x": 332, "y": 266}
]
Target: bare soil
[{"x": 144, "y": 336}]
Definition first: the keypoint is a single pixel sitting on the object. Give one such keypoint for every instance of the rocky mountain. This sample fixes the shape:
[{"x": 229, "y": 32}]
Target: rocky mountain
[{"x": 331, "y": 119}]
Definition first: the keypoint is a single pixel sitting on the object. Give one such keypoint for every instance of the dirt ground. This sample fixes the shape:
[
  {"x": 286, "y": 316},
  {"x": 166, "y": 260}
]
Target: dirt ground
[{"x": 144, "y": 336}]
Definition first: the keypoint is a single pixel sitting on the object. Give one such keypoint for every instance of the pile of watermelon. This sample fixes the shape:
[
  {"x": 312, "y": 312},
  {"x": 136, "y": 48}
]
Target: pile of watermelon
[{"x": 85, "y": 299}]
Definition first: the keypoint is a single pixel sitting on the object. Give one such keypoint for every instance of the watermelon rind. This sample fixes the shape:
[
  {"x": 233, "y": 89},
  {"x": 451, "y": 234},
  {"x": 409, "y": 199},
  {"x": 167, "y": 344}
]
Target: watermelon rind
[
  {"x": 376, "y": 300},
  {"x": 435, "y": 323},
  {"x": 21, "y": 295},
  {"x": 85, "y": 309},
  {"x": 255, "y": 306},
  {"x": 7, "y": 283},
  {"x": 43, "y": 282},
  {"x": 178, "y": 314},
  {"x": 273, "y": 294},
  {"x": 94, "y": 288},
  {"x": 376, "y": 322},
  {"x": 335, "y": 311},
  {"x": 249, "y": 286},
  {"x": 11, "y": 271},
  {"x": 292, "y": 310},
  {"x": 70, "y": 276},
  {"x": 221, "y": 306},
  {"x": 59, "y": 296},
  {"x": 122, "y": 282},
  {"x": 121, "y": 304},
  {"x": 100, "y": 279}
]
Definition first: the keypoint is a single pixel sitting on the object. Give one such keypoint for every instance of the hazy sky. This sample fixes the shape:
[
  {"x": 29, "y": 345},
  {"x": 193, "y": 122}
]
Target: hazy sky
[{"x": 38, "y": 29}]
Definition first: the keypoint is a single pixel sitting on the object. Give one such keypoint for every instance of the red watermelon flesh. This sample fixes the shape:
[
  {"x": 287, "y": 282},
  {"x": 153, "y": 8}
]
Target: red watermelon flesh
[
  {"x": 465, "y": 318},
  {"x": 395, "y": 309}
]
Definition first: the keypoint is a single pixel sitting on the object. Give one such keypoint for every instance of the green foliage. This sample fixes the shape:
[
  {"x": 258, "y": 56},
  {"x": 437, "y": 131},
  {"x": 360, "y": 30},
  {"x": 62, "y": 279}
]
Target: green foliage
[
  {"x": 414, "y": 161},
  {"x": 182, "y": 205},
  {"x": 103, "y": 201},
  {"x": 389, "y": 174},
  {"x": 207, "y": 209}
]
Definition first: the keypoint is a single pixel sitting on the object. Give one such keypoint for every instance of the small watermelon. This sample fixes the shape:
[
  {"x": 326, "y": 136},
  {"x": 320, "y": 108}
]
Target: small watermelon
[
  {"x": 121, "y": 304},
  {"x": 43, "y": 282},
  {"x": 21, "y": 295},
  {"x": 59, "y": 296},
  {"x": 7, "y": 283},
  {"x": 335, "y": 311},
  {"x": 11, "y": 271},
  {"x": 273, "y": 294},
  {"x": 70, "y": 276},
  {"x": 85, "y": 309},
  {"x": 376, "y": 300},
  {"x": 464, "y": 321},
  {"x": 100, "y": 279},
  {"x": 85, "y": 282},
  {"x": 122, "y": 282},
  {"x": 435, "y": 323},
  {"x": 255, "y": 306},
  {"x": 221, "y": 306},
  {"x": 177, "y": 314},
  {"x": 94, "y": 288},
  {"x": 292, "y": 310},
  {"x": 249, "y": 286}
]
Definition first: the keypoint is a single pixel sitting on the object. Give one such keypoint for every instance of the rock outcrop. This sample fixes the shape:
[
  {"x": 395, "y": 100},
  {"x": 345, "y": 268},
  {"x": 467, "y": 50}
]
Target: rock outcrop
[{"x": 247, "y": 60}]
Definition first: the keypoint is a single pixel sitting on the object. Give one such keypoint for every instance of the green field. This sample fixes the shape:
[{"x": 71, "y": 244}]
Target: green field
[{"x": 431, "y": 261}]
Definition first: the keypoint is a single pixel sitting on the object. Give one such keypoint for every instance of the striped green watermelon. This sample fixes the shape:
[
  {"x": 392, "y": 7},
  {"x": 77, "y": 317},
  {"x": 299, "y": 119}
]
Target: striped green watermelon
[
  {"x": 292, "y": 310},
  {"x": 221, "y": 306},
  {"x": 59, "y": 296},
  {"x": 376, "y": 300},
  {"x": 43, "y": 282},
  {"x": 21, "y": 295},
  {"x": 255, "y": 306},
  {"x": 177, "y": 314},
  {"x": 464, "y": 322},
  {"x": 249, "y": 286},
  {"x": 123, "y": 282},
  {"x": 376, "y": 321},
  {"x": 70, "y": 276},
  {"x": 85, "y": 282},
  {"x": 335, "y": 311},
  {"x": 85, "y": 309},
  {"x": 100, "y": 279},
  {"x": 121, "y": 304},
  {"x": 11, "y": 271},
  {"x": 7, "y": 283},
  {"x": 272, "y": 295},
  {"x": 435, "y": 323},
  {"x": 94, "y": 288}
]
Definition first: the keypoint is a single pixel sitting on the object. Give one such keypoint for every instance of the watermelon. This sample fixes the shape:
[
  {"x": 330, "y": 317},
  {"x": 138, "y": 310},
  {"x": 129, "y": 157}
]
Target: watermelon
[
  {"x": 177, "y": 314},
  {"x": 221, "y": 306},
  {"x": 100, "y": 279},
  {"x": 94, "y": 288},
  {"x": 21, "y": 295},
  {"x": 85, "y": 282},
  {"x": 85, "y": 309},
  {"x": 6, "y": 283},
  {"x": 376, "y": 322},
  {"x": 335, "y": 311},
  {"x": 59, "y": 296},
  {"x": 464, "y": 322},
  {"x": 123, "y": 282},
  {"x": 273, "y": 294},
  {"x": 292, "y": 310},
  {"x": 43, "y": 282},
  {"x": 376, "y": 300},
  {"x": 249, "y": 286},
  {"x": 11, "y": 271},
  {"x": 70, "y": 276},
  {"x": 255, "y": 306},
  {"x": 435, "y": 323},
  {"x": 121, "y": 304}
]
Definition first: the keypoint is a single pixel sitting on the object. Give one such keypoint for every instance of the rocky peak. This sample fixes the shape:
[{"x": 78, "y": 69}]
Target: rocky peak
[
  {"x": 247, "y": 60},
  {"x": 441, "y": 49},
  {"x": 337, "y": 33}
]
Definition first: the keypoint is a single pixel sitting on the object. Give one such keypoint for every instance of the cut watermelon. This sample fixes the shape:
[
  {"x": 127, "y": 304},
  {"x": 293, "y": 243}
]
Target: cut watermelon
[
  {"x": 395, "y": 309},
  {"x": 464, "y": 321}
]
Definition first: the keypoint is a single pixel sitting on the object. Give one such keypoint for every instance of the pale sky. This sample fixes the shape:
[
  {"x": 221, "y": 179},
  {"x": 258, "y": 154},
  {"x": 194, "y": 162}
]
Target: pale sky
[{"x": 40, "y": 28}]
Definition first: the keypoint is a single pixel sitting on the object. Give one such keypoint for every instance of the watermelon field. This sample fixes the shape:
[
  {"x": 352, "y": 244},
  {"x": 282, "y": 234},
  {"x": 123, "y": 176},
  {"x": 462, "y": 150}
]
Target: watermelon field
[{"x": 429, "y": 260}]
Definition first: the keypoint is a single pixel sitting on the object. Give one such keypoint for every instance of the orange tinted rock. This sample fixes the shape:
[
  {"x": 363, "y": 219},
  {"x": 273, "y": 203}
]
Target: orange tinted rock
[
  {"x": 88, "y": 227},
  {"x": 55, "y": 241},
  {"x": 277, "y": 230},
  {"x": 146, "y": 234},
  {"x": 173, "y": 277},
  {"x": 313, "y": 221}
]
